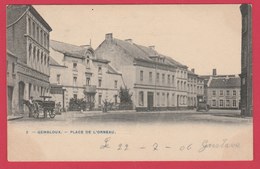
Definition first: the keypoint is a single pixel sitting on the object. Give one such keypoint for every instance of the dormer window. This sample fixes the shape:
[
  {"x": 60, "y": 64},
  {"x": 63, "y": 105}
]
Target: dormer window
[
  {"x": 99, "y": 70},
  {"x": 75, "y": 66}
]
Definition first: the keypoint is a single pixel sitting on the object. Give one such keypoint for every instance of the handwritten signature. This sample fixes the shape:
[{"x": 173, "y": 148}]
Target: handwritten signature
[{"x": 201, "y": 147}]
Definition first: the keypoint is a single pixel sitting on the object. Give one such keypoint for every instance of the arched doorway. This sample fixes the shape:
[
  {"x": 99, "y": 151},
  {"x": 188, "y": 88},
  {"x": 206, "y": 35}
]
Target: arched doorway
[{"x": 21, "y": 96}]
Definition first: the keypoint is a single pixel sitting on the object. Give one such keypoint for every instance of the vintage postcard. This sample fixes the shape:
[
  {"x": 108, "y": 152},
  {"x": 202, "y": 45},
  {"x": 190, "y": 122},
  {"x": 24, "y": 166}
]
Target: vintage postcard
[{"x": 129, "y": 82}]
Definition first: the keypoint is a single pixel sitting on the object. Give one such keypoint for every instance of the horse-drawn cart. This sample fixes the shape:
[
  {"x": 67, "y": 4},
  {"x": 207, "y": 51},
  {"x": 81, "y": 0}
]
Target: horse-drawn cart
[{"x": 44, "y": 107}]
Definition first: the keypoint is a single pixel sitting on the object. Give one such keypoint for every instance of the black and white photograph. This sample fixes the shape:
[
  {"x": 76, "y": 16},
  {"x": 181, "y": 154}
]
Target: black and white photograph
[{"x": 129, "y": 82}]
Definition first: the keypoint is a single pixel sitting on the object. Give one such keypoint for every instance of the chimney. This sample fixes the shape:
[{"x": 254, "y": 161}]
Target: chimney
[
  {"x": 193, "y": 70},
  {"x": 129, "y": 40},
  {"x": 152, "y": 47},
  {"x": 109, "y": 36},
  {"x": 214, "y": 72}
]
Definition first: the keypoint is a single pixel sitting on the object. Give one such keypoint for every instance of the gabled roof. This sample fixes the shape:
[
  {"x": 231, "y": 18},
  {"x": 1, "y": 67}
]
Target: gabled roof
[
  {"x": 132, "y": 49},
  {"x": 233, "y": 82},
  {"x": 144, "y": 53},
  {"x": 69, "y": 49},
  {"x": 15, "y": 12}
]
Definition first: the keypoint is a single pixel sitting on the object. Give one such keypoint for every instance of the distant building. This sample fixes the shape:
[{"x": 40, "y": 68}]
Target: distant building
[
  {"x": 195, "y": 88},
  {"x": 76, "y": 72},
  {"x": 246, "y": 61},
  {"x": 27, "y": 56},
  {"x": 157, "y": 82},
  {"x": 222, "y": 91}
]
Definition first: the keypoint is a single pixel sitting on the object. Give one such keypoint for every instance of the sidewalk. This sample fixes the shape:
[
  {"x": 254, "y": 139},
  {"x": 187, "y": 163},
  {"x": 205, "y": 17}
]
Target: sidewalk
[{"x": 14, "y": 117}]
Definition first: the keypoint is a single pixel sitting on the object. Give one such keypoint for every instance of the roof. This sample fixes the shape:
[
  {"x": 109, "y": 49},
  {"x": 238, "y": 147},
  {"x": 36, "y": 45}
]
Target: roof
[
  {"x": 192, "y": 73},
  {"x": 233, "y": 82},
  {"x": 53, "y": 62},
  {"x": 132, "y": 49},
  {"x": 111, "y": 70},
  {"x": 144, "y": 53},
  {"x": 69, "y": 49},
  {"x": 15, "y": 12}
]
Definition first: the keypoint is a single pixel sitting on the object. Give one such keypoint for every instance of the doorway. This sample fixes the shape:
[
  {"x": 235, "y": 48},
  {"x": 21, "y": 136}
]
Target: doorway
[
  {"x": 21, "y": 96},
  {"x": 150, "y": 101}
]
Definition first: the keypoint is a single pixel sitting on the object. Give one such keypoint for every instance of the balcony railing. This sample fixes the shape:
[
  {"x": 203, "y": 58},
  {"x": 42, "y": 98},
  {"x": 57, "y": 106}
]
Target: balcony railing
[{"x": 90, "y": 88}]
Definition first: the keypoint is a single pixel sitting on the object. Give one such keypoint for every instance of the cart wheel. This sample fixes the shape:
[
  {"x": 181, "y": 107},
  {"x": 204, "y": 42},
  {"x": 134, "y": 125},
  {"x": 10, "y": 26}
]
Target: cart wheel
[
  {"x": 52, "y": 114},
  {"x": 36, "y": 114}
]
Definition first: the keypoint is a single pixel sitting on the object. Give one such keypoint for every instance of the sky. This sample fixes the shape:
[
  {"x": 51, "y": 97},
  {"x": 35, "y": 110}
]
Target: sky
[{"x": 202, "y": 37}]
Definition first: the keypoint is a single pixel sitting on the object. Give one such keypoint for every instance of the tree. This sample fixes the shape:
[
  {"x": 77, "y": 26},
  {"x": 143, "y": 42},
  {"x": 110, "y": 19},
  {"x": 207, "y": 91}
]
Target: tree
[{"x": 125, "y": 98}]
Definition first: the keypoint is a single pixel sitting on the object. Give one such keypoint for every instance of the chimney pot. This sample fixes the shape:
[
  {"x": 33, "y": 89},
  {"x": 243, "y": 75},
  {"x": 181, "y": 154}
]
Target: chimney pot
[
  {"x": 214, "y": 72},
  {"x": 109, "y": 36}
]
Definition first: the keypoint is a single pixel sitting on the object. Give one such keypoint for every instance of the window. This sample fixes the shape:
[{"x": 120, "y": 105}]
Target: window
[
  {"x": 221, "y": 103},
  {"x": 87, "y": 81},
  {"x": 99, "y": 82},
  {"x": 163, "y": 99},
  {"x": 234, "y": 103},
  {"x": 227, "y": 103},
  {"x": 44, "y": 39},
  {"x": 141, "y": 98},
  {"x": 243, "y": 81},
  {"x": 221, "y": 92},
  {"x": 58, "y": 78},
  {"x": 234, "y": 92},
  {"x": 74, "y": 81},
  {"x": 41, "y": 37},
  {"x": 75, "y": 66},
  {"x": 41, "y": 57},
  {"x": 214, "y": 93},
  {"x": 33, "y": 30},
  {"x": 87, "y": 64},
  {"x": 99, "y": 70},
  {"x": 150, "y": 76},
  {"x": 45, "y": 59},
  {"x": 75, "y": 96},
  {"x": 30, "y": 51},
  {"x": 34, "y": 53},
  {"x": 169, "y": 79},
  {"x": 178, "y": 84},
  {"x": 141, "y": 75},
  {"x": 115, "y": 84},
  {"x": 214, "y": 103},
  {"x": 13, "y": 67},
  {"x": 173, "y": 100},
  {"x": 37, "y": 33},
  {"x": 157, "y": 77},
  {"x": 163, "y": 78},
  {"x": 47, "y": 41},
  {"x": 227, "y": 92},
  {"x": 173, "y": 79},
  {"x": 158, "y": 99},
  {"x": 99, "y": 99},
  {"x": 29, "y": 26},
  {"x": 38, "y": 55},
  {"x": 115, "y": 99}
]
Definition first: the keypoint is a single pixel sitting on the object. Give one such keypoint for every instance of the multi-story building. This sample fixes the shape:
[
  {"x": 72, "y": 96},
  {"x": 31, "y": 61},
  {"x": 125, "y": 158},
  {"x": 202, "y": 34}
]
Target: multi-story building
[
  {"x": 224, "y": 92},
  {"x": 76, "y": 72},
  {"x": 156, "y": 81},
  {"x": 28, "y": 42},
  {"x": 246, "y": 61},
  {"x": 195, "y": 88}
]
